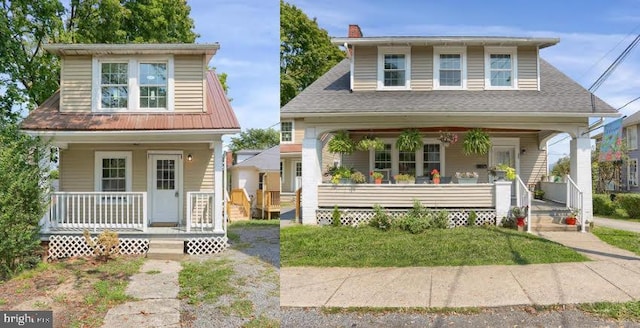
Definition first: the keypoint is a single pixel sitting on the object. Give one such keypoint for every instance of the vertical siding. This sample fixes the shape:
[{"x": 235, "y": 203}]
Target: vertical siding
[
  {"x": 75, "y": 84},
  {"x": 188, "y": 81},
  {"x": 421, "y": 68},
  {"x": 365, "y": 75},
  {"x": 475, "y": 68},
  {"x": 527, "y": 68}
]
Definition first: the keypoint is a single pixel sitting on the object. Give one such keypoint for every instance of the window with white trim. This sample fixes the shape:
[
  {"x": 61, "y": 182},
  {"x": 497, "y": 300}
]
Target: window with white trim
[
  {"x": 449, "y": 68},
  {"x": 632, "y": 172},
  {"x": 382, "y": 158},
  {"x": 418, "y": 163},
  {"x": 139, "y": 84},
  {"x": 632, "y": 137},
  {"x": 501, "y": 68},
  {"x": 431, "y": 158},
  {"x": 286, "y": 131},
  {"x": 394, "y": 68},
  {"x": 407, "y": 162},
  {"x": 112, "y": 171}
]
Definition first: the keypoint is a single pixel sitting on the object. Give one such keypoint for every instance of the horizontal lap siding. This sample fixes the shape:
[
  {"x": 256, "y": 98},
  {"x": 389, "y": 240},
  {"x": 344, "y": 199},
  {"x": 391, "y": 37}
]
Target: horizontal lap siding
[
  {"x": 533, "y": 162},
  {"x": 298, "y": 131},
  {"x": 404, "y": 195},
  {"x": 365, "y": 75},
  {"x": 189, "y": 83},
  {"x": 359, "y": 161},
  {"x": 527, "y": 68},
  {"x": 475, "y": 68},
  {"x": 421, "y": 68},
  {"x": 75, "y": 88},
  {"x": 457, "y": 161}
]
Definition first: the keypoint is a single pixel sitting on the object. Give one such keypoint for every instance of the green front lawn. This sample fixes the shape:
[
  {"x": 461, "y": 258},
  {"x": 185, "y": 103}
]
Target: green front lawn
[
  {"x": 369, "y": 247},
  {"x": 622, "y": 239}
]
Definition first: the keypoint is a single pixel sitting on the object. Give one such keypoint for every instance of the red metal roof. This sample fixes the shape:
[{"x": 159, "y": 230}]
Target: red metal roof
[
  {"x": 290, "y": 148},
  {"x": 218, "y": 115}
]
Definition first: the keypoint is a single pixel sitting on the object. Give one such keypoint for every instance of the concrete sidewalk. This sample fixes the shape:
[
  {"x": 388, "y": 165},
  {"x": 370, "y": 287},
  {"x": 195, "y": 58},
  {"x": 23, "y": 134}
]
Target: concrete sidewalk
[{"x": 614, "y": 276}]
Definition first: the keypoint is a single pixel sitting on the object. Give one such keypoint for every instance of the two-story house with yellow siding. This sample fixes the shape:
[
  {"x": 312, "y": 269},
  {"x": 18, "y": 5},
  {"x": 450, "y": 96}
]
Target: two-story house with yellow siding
[
  {"x": 139, "y": 129},
  {"x": 438, "y": 85}
]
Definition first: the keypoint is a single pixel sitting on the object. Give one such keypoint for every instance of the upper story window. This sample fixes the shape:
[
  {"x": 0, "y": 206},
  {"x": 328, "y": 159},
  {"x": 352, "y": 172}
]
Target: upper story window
[
  {"x": 449, "y": 68},
  {"x": 286, "y": 131},
  {"x": 632, "y": 137},
  {"x": 139, "y": 84},
  {"x": 394, "y": 68},
  {"x": 500, "y": 68}
]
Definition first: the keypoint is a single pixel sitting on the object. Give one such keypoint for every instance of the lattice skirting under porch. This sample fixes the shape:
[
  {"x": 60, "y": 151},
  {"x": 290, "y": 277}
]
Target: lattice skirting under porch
[
  {"x": 207, "y": 245},
  {"x": 357, "y": 216},
  {"x": 63, "y": 246}
]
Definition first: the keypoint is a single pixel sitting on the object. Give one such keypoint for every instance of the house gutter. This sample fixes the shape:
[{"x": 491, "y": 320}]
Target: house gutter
[{"x": 444, "y": 113}]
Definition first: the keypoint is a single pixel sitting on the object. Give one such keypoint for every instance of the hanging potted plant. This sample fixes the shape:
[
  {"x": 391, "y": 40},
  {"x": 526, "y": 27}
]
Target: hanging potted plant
[
  {"x": 476, "y": 141},
  {"x": 341, "y": 143},
  {"x": 370, "y": 143},
  {"x": 409, "y": 140},
  {"x": 448, "y": 138}
]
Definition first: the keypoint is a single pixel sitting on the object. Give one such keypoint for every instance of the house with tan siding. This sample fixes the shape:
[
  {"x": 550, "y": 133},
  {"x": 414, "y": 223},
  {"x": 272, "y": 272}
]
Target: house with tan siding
[
  {"x": 438, "y": 85},
  {"x": 138, "y": 128}
]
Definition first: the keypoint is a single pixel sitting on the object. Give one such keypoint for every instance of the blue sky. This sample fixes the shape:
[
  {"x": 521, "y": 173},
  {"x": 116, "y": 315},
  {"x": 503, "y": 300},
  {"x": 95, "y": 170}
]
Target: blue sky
[
  {"x": 249, "y": 35},
  {"x": 592, "y": 33}
]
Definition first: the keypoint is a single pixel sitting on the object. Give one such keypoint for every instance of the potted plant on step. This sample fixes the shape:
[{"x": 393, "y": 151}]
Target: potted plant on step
[
  {"x": 377, "y": 177},
  {"x": 520, "y": 214},
  {"x": 538, "y": 194},
  {"x": 572, "y": 217}
]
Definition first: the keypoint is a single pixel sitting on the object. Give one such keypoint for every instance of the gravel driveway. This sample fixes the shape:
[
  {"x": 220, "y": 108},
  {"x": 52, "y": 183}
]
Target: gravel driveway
[{"x": 255, "y": 259}]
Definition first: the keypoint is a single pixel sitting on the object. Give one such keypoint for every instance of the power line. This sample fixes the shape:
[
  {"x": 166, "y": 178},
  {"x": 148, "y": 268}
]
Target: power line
[
  {"x": 629, "y": 103},
  {"x": 614, "y": 65},
  {"x": 610, "y": 51}
]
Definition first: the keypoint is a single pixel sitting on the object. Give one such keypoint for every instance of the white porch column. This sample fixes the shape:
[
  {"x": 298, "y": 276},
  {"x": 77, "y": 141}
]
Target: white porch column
[
  {"x": 311, "y": 175},
  {"x": 218, "y": 188},
  {"x": 503, "y": 199},
  {"x": 581, "y": 172}
]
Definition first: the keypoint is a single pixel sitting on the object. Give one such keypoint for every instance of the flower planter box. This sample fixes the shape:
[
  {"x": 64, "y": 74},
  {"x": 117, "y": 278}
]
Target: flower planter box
[{"x": 467, "y": 180}]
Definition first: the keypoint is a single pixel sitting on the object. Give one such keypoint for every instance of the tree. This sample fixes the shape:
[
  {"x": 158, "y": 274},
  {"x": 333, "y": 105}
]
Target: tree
[
  {"x": 306, "y": 51},
  {"x": 562, "y": 167},
  {"x": 22, "y": 198},
  {"x": 255, "y": 139}
]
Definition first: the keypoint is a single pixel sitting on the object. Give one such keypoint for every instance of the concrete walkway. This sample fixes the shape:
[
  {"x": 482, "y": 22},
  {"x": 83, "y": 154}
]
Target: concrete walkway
[
  {"x": 156, "y": 289},
  {"x": 613, "y": 276},
  {"x": 617, "y": 224}
]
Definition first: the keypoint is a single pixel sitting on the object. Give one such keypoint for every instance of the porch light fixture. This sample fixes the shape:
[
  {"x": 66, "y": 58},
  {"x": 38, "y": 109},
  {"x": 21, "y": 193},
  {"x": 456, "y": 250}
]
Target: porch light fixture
[{"x": 189, "y": 158}]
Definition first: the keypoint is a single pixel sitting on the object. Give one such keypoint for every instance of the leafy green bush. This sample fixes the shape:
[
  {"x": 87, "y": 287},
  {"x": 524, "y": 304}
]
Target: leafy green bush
[
  {"x": 440, "y": 220},
  {"x": 380, "y": 220},
  {"x": 22, "y": 199},
  {"x": 630, "y": 203},
  {"x": 335, "y": 216},
  {"x": 413, "y": 224},
  {"x": 602, "y": 205},
  {"x": 472, "y": 218}
]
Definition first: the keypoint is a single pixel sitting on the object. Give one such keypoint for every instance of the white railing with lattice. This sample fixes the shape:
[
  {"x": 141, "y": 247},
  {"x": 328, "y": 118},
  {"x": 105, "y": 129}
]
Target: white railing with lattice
[
  {"x": 575, "y": 201},
  {"x": 97, "y": 210},
  {"x": 200, "y": 211},
  {"x": 63, "y": 246},
  {"x": 359, "y": 216},
  {"x": 523, "y": 198}
]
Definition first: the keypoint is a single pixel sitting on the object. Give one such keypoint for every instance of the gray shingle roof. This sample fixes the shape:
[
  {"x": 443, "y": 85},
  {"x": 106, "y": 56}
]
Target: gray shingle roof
[
  {"x": 268, "y": 160},
  {"x": 632, "y": 119},
  {"x": 558, "y": 95}
]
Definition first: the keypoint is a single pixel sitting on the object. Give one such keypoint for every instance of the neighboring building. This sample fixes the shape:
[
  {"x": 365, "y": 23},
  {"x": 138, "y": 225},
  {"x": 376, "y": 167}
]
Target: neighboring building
[
  {"x": 630, "y": 169},
  {"x": 139, "y": 129},
  {"x": 434, "y": 84},
  {"x": 258, "y": 176}
]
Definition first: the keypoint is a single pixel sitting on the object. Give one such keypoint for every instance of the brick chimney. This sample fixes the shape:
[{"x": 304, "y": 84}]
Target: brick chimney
[{"x": 355, "y": 31}]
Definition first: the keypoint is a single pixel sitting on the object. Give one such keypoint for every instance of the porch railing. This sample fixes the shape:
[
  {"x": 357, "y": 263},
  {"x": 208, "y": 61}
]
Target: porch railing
[
  {"x": 575, "y": 201},
  {"x": 200, "y": 211},
  {"x": 523, "y": 198},
  {"x": 97, "y": 210},
  {"x": 240, "y": 197}
]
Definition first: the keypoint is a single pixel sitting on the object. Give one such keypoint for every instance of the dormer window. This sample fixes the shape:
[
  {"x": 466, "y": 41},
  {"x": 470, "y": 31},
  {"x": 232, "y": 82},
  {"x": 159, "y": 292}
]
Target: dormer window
[
  {"x": 394, "y": 68},
  {"x": 133, "y": 85},
  {"x": 500, "y": 68},
  {"x": 449, "y": 68}
]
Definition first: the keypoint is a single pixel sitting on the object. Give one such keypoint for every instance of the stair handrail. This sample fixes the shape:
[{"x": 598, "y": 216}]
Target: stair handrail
[
  {"x": 523, "y": 198},
  {"x": 575, "y": 201},
  {"x": 244, "y": 200}
]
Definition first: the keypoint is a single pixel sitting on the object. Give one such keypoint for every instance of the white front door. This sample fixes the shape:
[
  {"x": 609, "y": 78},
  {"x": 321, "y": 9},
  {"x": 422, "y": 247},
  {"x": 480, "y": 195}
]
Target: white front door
[
  {"x": 165, "y": 188},
  {"x": 505, "y": 155},
  {"x": 298, "y": 175}
]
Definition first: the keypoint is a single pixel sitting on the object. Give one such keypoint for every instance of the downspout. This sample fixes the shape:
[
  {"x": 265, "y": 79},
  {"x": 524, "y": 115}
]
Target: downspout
[{"x": 350, "y": 56}]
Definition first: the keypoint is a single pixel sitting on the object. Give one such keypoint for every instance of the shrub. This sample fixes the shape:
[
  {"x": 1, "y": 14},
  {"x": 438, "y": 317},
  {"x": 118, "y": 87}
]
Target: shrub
[
  {"x": 413, "y": 224},
  {"x": 440, "y": 220},
  {"x": 508, "y": 222},
  {"x": 335, "y": 216},
  {"x": 472, "y": 218},
  {"x": 22, "y": 199},
  {"x": 630, "y": 203},
  {"x": 602, "y": 205},
  {"x": 107, "y": 244},
  {"x": 380, "y": 220}
]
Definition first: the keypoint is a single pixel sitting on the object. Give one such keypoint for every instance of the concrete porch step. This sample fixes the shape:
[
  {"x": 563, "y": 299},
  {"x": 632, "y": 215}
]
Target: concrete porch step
[
  {"x": 166, "y": 249},
  {"x": 548, "y": 226}
]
